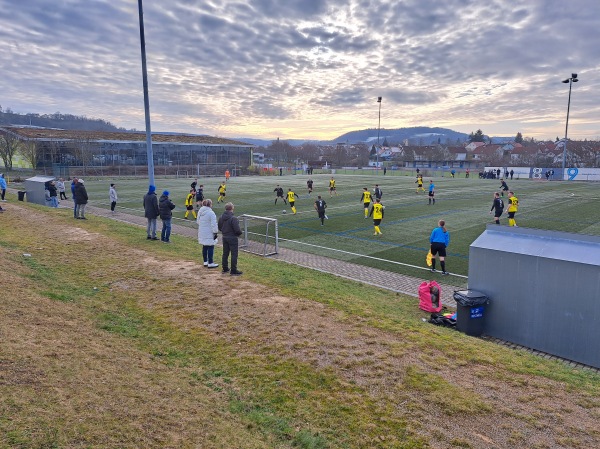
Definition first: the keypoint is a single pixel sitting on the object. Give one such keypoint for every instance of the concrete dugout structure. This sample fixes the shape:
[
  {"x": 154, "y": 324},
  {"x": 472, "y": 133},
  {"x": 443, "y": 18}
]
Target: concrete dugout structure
[
  {"x": 544, "y": 289},
  {"x": 35, "y": 188}
]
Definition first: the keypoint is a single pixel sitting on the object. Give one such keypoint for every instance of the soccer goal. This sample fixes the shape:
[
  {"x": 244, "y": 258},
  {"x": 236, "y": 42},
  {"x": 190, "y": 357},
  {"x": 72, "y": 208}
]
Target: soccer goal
[
  {"x": 260, "y": 235},
  {"x": 182, "y": 174}
]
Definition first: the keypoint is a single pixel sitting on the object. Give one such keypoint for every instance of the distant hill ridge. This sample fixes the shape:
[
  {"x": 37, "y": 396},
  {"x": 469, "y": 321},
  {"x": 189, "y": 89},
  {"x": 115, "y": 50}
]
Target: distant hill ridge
[{"x": 418, "y": 135}]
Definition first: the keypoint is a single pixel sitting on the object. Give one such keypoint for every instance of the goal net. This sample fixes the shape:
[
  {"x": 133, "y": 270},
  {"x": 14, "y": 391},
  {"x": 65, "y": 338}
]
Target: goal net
[
  {"x": 182, "y": 174},
  {"x": 260, "y": 235}
]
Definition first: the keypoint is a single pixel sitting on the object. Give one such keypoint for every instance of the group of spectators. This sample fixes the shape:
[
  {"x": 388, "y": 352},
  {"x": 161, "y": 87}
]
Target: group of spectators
[{"x": 208, "y": 228}]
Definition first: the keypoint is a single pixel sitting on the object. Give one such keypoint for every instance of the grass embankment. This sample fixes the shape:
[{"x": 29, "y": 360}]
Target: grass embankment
[{"x": 113, "y": 341}]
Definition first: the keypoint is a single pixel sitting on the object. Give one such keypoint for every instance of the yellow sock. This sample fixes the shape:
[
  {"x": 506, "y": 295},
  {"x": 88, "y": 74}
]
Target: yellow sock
[
  {"x": 377, "y": 230},
  {"x": 194, "y": 212},
  {"x": 187, "y": 212},
  {"x": 366, "y": 213},
  {"x": 511, "y": 222},
  {"x": 294, "y": 210}
]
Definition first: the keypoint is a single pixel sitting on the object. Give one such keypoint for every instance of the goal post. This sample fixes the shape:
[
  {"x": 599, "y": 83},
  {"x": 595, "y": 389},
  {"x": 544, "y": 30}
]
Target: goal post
[
  {"x": 182, "y": 174},
  {"x": 260, "y": 235}
]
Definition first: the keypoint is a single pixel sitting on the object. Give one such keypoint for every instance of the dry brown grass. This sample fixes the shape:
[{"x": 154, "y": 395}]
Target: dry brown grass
[{"x": 135, "y": 363}]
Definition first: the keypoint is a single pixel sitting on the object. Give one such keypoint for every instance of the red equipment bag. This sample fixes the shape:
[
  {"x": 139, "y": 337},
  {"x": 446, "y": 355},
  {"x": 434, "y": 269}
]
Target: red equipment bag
[{"x": 430, "y": 297}]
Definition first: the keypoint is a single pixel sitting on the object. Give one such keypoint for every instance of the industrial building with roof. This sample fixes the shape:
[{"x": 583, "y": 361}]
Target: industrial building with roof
[{"x": 125, "y": 153}]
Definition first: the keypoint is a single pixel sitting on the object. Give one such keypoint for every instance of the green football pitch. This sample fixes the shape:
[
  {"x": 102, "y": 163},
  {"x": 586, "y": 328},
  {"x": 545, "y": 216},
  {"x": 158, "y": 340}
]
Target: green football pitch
[{"x": 463, "y": 203}]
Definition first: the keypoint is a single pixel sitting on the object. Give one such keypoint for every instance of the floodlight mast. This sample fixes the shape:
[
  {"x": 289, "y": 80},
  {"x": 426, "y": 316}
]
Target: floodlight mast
[
  {"x": 149, "y": 152},
  {"x": 378, "y": 129},
  {"x": 571, "y": 80}
]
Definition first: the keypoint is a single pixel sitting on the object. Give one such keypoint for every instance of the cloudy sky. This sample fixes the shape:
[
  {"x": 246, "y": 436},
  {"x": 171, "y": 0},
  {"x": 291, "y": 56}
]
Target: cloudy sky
[{"x": 308, "y": 68}]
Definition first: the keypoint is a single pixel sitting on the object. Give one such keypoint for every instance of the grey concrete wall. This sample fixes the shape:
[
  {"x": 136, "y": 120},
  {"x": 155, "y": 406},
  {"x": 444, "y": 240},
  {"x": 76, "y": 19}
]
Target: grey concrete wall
[{"x": 544, "y": 289}]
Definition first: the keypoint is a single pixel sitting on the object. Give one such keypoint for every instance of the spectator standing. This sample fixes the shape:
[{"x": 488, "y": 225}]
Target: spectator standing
[
  {"x": 165, "y": 209},
  {"x": 439, "y": 240},
  {"x": 230, "y": 229},
  {"x": 53, "y": 191},
  {"x": 207, "y": 233},
  {"x": 2, "y": 186},
  {"x": 151, "y": 211},
  {"x": 512, "y": 172},
  {"x": 60, "y": 185},
  {"x": 112, "y": 195},
  {"x": 81, "y": 199},
  {"x": 73, "y": 184}
]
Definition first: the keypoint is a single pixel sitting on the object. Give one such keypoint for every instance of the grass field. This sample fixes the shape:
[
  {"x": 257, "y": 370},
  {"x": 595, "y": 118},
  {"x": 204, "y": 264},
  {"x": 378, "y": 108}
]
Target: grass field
[
  {"x": 463, "y": 203},
  {"x": 113, "y": 341}
]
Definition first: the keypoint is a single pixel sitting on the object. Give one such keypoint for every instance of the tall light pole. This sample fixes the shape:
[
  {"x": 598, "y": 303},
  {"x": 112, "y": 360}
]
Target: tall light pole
[
  {"x": 571, "y": 80},
  {"x": 378, "y": 129},
  {"x": 146, "y": 98}
]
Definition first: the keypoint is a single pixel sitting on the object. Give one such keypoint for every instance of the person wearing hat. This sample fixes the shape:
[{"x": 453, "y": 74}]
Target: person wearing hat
[
  {"x": 151, "y": 212},
  {"x": 165, "y": 207},
  {"x": 81, "y": 199}
]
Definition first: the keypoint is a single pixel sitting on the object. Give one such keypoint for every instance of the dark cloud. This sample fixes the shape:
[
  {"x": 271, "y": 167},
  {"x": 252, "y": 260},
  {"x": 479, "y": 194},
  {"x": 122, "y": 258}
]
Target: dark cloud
[{"x": 238, "y": 64}]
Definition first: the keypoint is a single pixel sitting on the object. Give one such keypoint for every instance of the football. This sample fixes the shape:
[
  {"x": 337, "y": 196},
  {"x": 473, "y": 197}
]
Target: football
[{"x": 284, "y": 211}]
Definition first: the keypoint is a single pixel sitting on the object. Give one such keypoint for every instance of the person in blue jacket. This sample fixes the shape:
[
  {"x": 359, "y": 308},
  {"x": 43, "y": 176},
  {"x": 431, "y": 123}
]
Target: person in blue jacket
[
  {"x": 2, "y": 187},
  {"x": 440, "y": 239}
]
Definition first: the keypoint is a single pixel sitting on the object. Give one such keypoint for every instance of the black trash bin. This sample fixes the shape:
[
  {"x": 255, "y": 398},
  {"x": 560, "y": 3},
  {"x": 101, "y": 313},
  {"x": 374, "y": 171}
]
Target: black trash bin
[
  {"x": 21, "y": 194},
  {"x": 470, "y": 311}
]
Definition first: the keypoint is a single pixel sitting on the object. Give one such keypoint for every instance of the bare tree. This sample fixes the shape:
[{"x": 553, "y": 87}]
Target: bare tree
[
  {"x": 9, "y": 145},
  {"x": 31, "y": 152}
]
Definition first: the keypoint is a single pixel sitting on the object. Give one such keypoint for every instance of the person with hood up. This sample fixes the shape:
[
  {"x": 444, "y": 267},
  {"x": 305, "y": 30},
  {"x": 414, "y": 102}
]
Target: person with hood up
[
  {"x": 151, "y": 211},
  {"x": 207, "y": 232},
  {"x": 230, "y": 229},
  {"x": 81, "y": 199},
  {"x": 165, "y": 207}
]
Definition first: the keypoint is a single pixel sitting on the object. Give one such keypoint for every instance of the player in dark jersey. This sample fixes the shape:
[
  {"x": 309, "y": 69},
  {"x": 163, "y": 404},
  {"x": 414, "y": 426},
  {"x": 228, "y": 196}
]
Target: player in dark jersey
[
  {"x": 503, "y": 186},
  {"x": 497, "y": 207},
  {"x": 279, "y": 192},
  {"x": 378, "y": 192},
  {"x": 320, "y": 206},
  {"x": 309, "y": 185}
]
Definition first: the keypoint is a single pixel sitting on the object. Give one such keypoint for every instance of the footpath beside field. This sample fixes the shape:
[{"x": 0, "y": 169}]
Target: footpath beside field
[{"x": 388, "y": 280}]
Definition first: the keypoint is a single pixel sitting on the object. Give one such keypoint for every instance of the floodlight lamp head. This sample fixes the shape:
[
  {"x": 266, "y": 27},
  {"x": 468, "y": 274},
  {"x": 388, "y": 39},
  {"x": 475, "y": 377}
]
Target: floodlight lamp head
[
  {"x": 575, "y": 80},
  {"x": 378, "y": 99},
  {"x": 566, "y": 81},
  {"x": 573, "y": 75}
]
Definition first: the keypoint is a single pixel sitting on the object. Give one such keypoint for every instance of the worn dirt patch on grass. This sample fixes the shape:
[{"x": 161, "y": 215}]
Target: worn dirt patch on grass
[{"x": 501, "y": 410}]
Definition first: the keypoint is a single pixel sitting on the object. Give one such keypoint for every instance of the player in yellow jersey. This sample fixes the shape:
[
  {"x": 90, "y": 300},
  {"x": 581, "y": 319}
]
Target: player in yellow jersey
[
  {"x": 222, "y": 192},
  {"x": 377, "y": 213},
  {"x": 513, "y": 207},
  {"x": 366, "y": 200},
  {"x": 291, "y": 199},
  {"x": 332, "y": 188},
  {"x": 189, "y": 204},
  {"x": 419, "y": 183}
]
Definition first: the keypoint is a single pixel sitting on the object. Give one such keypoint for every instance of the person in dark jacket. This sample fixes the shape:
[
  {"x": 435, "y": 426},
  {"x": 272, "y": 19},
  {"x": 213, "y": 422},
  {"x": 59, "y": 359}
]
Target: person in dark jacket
[
  {"x": 165, "y": 206},
  {"x": 151, "y": 211},
  {"x": 230, "y": 228},
  {"x": 53, "y": 194},
  {"x": 81, "y": 199},
  {"x": 73, "y": 184}
]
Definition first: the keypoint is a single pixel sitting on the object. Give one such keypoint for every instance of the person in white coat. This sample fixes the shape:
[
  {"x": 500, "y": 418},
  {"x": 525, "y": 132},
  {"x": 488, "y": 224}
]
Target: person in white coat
[
  {"x": 207, "y": 232},
  {"x": 112, "y": 195}
]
